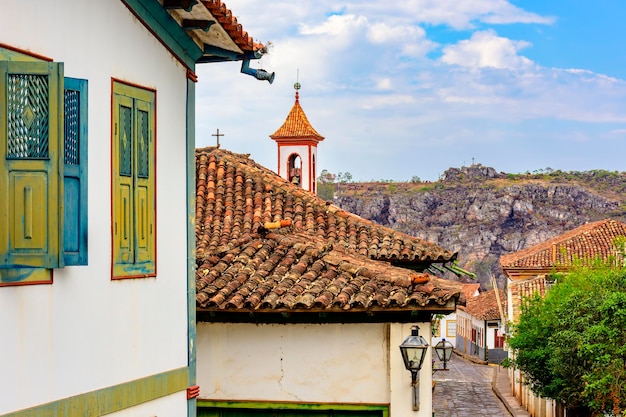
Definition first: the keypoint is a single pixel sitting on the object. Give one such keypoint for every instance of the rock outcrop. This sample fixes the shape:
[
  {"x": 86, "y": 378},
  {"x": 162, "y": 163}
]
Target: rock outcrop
[{"x": 484, "y": 214}]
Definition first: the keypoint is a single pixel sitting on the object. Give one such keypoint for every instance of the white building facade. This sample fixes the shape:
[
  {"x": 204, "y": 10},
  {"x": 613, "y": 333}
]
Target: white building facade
[{"x": 97, "y": 303}]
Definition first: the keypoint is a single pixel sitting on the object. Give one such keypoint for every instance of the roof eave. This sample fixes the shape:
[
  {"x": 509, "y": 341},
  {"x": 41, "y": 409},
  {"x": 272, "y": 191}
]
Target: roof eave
[
  {"x": 185, "y": 44},
  {"x": 513, "y": 272},
  {"x": 422, "y": 314},
  {"x": 158, "y": 21}
]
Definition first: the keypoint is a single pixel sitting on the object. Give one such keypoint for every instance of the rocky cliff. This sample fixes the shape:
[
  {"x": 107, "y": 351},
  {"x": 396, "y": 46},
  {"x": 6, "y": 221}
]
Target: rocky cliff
[{"x": 484, "y": 214}]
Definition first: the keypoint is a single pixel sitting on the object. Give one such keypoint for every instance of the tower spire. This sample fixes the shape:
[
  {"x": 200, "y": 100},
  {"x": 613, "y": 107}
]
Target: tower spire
[{"x": 297, "y": 85}]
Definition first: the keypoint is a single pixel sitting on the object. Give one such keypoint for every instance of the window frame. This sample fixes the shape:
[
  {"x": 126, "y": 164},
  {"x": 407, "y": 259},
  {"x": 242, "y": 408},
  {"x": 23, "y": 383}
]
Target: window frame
[
  {"x": 129, "y": 260},
  {"x": 448, "y": 332}
]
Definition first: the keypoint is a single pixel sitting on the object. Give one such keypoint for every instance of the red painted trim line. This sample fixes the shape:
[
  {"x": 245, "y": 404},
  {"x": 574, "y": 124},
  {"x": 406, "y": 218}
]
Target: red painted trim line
[{"x": 22, "y": 51}]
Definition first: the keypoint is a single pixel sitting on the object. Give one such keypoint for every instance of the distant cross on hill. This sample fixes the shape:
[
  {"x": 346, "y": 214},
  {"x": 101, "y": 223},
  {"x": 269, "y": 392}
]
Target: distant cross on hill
[{"x": 218, "y": 134}]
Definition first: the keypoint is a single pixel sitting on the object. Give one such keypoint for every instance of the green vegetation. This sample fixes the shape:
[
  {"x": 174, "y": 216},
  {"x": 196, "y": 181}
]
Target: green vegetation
[
  {"x": 571, "y": 344},
  {"x": 326, "y": 185}
]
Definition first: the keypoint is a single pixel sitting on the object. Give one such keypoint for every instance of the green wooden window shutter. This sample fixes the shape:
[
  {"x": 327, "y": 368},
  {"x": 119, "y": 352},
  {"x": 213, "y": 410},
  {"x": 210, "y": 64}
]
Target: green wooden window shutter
[
  {"x": 75, "y": 172},
  {"x": 134, "y": 212},
  {"x": 30, "y": 168}
]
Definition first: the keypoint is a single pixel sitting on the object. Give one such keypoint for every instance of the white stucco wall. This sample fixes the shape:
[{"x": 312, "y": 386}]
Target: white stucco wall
[
  {"x": 85, "y": 332},
  {"x": 310, "y": 363}
]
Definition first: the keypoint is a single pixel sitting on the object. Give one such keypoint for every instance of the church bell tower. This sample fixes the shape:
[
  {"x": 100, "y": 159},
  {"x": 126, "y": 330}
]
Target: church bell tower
[{"x": 297, "y": 147}]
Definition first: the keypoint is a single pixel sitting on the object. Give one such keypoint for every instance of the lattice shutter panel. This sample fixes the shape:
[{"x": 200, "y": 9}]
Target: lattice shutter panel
[
  {"x": 143, "y": 146},
  {"x": 27, "y": 118},
  {"x": 126, "y": 141},
  {"x": 72, "y": 127}
]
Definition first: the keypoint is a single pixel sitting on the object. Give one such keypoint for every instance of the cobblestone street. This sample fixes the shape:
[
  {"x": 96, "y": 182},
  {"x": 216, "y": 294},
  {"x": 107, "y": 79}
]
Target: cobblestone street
[{"x": 465, "y": 391}]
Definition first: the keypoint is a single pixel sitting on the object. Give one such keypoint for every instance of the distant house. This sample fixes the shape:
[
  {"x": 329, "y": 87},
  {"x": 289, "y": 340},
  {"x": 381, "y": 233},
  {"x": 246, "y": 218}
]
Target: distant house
[
  {"x": 531, "y": 271},
  {"x": 97, "y": 272},
  {"x": 446, "y": 327},
  {"x": 480, "y": 330},
  {"x": 300, "y": 307}
]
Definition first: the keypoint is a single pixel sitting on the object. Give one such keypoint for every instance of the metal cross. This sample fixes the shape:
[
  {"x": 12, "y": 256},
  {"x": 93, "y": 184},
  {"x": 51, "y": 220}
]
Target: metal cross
[{"x": 218, "y": 134}]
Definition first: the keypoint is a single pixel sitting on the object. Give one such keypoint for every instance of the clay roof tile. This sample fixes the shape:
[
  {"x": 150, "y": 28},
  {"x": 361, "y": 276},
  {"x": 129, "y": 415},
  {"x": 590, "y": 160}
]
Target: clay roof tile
[
  {"x": 589, "y": 241},
  {"x": 310, "y": 264}
]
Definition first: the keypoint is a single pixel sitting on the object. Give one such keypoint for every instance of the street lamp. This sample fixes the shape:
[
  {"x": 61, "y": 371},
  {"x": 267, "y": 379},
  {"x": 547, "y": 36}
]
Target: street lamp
[
  {"x": 413, "y": 351},
  {"x": 444, "y": 353}
]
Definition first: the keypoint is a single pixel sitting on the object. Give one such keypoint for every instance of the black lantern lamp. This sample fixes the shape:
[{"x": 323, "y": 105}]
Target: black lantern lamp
[
  {"x": 444, "y": 353},
  {"x": 413, "y": 351}
]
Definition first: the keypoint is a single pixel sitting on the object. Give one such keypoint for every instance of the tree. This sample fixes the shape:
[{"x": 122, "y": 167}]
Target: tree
[
  {"x": 571, "y": 344},
  {"x": 326, "y": 185},
  {"x": 326, "y": 177},
  {"x": 344, "y": 177}
]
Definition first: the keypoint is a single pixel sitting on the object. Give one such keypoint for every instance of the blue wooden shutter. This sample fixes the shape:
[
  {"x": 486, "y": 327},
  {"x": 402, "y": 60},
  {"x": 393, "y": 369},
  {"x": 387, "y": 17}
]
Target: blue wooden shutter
[
  {"x": 75, "y": 173},
  {"x": 30, "y": 142}
]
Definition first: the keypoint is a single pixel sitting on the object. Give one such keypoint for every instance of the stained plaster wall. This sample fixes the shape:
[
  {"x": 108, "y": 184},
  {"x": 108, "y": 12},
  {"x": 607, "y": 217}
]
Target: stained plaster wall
[{"x": 310, "y": 363}]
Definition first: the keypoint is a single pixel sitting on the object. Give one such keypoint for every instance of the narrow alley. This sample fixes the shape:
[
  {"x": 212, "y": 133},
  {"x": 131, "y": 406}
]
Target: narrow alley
[{"x": 466, "y": 391}]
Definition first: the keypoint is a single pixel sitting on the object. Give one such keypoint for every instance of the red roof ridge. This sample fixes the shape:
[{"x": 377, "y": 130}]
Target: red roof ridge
[{"x": 584, "y": 242}]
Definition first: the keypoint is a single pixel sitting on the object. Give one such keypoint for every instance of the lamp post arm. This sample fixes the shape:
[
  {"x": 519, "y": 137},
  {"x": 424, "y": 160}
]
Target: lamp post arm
[{"x": 415, "y": 387}]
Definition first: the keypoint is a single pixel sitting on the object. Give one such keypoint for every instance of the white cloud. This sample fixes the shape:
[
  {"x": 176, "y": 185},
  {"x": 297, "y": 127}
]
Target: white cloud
[
  {"x": 383, "y": 84},
  {"x": 382, "y": 32},
  {"x": 377, "y": 102},
  {"x": 336, "y": 25},
  {"x": 486, "y": 49},
  {"x": 462, "y": 14}
]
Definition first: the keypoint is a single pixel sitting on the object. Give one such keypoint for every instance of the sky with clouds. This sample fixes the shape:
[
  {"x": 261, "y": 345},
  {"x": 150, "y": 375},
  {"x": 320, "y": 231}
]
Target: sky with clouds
[{"x": 406, "y": 88}]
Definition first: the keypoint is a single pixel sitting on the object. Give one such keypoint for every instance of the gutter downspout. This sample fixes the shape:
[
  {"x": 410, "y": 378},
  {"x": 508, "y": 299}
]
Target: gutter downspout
[{"x": 259, "y": 74}]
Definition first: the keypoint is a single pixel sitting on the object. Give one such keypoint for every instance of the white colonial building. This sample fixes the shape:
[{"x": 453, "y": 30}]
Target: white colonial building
[{"x": 97, "y": 306}]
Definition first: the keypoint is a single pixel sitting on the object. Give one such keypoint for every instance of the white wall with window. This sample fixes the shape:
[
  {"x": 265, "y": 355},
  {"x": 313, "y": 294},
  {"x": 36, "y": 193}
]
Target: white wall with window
[{"x": 73, "y": 330}]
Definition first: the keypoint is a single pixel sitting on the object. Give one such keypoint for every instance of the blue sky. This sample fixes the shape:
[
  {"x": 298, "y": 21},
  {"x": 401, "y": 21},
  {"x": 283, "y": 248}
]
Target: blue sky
[{"x": 404, "y": 88}]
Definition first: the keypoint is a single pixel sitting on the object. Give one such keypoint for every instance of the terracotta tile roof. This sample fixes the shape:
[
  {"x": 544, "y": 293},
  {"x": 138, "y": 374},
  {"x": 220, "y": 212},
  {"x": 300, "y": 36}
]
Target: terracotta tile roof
[
  {"x": 471, "y": 290},
  {"x": 485, "y": 305},
  {"x": 293, "y": 271},
  {"x": 586, "y": 242},
  {"x": 229, "y": 22},
  {"x": 321, "y": 259},
  {"x": 296, "y": 125}
]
